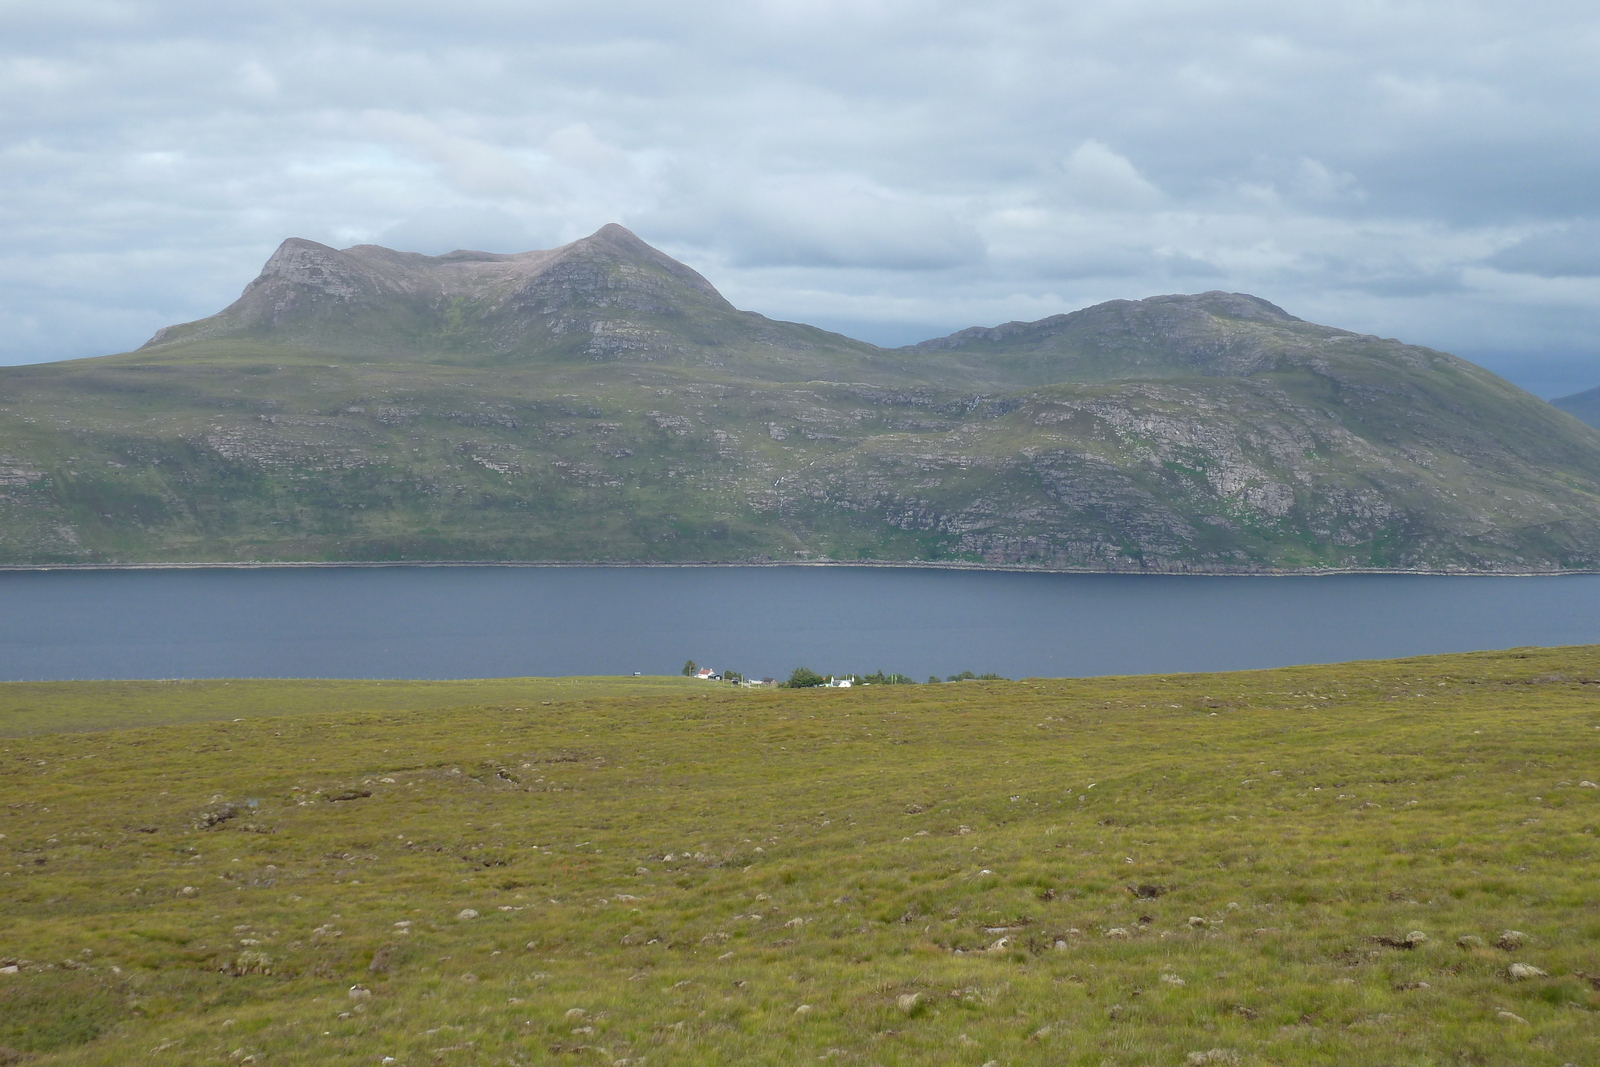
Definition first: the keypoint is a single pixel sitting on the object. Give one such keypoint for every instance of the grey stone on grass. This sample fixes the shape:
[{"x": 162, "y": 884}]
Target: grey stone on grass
[
  {"x": 1510, "y": 940},
  {"x": 1216, "y": 1055}
]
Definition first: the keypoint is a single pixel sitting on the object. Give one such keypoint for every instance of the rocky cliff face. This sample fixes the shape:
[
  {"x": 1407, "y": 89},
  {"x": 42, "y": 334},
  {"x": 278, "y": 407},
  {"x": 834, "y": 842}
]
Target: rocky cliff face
[
  {"x": 600, "y": 401},
  {"x": 1221, "y": 476}
]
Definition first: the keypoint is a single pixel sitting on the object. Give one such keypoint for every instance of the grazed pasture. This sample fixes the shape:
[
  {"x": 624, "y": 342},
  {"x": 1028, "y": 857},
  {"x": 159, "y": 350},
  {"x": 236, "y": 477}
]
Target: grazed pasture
[{"x": 1156, "y": 870}]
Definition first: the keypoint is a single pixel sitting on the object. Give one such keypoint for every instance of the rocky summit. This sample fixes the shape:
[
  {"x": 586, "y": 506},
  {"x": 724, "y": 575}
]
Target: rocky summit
[
  {"x": 603, "y": 402},
  {"x": 609, "y": 296}
]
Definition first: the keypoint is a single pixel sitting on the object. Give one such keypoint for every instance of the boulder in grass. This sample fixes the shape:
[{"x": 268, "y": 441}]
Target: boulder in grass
[{"x": 1414, "y": 939}]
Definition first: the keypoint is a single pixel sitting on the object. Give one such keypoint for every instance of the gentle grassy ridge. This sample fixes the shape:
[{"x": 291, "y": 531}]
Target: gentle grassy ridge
[
  {"x": 672, "y": 875},
  {"x": 67, "y": 707}
]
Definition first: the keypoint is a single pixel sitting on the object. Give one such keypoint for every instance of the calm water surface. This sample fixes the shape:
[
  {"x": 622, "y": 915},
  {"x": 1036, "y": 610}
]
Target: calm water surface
[{"x": 460, "y": 622}]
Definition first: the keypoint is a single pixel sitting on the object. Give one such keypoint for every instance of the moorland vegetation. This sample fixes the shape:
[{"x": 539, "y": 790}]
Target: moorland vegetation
[
  {"x": 602, "y": 402},
  {"x": 1363, "y": 864}
]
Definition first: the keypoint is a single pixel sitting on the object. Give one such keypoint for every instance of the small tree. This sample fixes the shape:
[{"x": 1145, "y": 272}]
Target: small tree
[
  {"x": 732, "y": 676},
  {"x": 690, "y": 668},
  {"x": 934, "y": 679},
  {"x": 804, "y": 678}
]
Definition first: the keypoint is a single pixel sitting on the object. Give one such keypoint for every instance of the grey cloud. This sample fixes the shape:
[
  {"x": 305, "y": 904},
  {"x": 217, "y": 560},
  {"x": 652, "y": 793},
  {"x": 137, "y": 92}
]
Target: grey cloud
[
  {"x": 482, "y": 228},
  {"x": 1410, "y": 285},
  {"x": 1096, "y": 176},
  {"x": 1572, "y": 251},
  {"x": 826, "y": 220},
  {"x": 837, "y": 244},
  {"x": 1071, "y": 259}
]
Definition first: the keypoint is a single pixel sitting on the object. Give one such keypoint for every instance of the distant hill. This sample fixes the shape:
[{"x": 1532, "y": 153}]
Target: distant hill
[
  {"x": 1584, "y": 405},
  {"x": 601, "y": 401}
]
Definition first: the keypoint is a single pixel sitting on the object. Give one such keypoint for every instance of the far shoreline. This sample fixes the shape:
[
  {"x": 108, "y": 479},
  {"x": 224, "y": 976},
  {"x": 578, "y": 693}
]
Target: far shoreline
[{"x": 1000, "y": 568}]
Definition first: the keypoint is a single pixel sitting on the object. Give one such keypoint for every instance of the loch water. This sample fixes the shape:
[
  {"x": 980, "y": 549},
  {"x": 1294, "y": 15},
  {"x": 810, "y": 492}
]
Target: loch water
[{"x": 463, "y": 622}]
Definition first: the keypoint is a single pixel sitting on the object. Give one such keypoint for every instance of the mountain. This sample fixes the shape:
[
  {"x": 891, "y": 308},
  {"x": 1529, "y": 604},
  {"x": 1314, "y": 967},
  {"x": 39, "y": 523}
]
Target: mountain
[
  {"x": 609, "y": 296},
  {"x": 601, "y": 401},
  {"x": 1584, "y": 405}
]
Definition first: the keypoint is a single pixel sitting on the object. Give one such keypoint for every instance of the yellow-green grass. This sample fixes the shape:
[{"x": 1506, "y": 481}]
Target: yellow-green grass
[
  {"x": 64, "y": 707},
  {"x": 690, "y": 873}
]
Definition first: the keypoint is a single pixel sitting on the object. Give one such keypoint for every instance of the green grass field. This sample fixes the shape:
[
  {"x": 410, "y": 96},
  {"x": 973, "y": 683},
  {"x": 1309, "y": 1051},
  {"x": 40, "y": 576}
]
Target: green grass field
[{"x": 1175, "y": 870}]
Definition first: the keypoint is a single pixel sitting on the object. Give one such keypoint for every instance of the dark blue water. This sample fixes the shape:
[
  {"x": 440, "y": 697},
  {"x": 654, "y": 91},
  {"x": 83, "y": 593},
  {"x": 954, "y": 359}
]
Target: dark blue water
[{"x": 461, "y": 622}]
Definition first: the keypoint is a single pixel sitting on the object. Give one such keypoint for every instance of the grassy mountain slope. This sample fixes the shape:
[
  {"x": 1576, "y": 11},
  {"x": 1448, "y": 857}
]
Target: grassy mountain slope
[
  {"x": 1122, "y": 871},
  {"x": 601, "y": 402}
]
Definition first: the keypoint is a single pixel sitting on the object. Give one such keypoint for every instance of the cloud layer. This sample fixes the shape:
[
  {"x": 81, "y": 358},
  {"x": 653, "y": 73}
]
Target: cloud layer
[{"x": 896, "y": 168}]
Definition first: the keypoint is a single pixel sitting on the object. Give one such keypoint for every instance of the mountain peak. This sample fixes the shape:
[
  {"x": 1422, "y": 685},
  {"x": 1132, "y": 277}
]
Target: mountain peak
[
  {"x": 613, "y": 231},
  {"x": 1222, "y": 304},
  {"x": 298, "y": 261},
  {"x": 1213, "y": 334},
  {"x": 607, "y": 296},
  {"x": 368, "y": 297},
  {"x": 615, "y": 241}
]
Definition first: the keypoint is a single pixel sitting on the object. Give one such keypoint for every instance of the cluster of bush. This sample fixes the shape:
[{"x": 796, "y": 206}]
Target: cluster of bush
[{"x": 805, "y": 678}]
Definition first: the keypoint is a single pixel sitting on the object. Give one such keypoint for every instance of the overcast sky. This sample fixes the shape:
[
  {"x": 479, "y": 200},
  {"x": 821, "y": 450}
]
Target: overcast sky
[{"x": 1427, "y": 170}]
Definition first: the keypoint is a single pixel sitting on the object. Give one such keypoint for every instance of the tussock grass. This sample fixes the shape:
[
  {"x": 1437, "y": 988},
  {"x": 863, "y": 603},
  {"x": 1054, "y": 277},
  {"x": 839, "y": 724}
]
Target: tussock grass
[{"x": 1198, "y": 868}]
